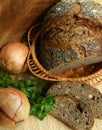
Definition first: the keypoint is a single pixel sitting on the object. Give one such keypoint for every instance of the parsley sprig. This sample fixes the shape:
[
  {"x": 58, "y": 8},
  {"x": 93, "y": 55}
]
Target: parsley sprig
[{"x": 35, "y": 89}]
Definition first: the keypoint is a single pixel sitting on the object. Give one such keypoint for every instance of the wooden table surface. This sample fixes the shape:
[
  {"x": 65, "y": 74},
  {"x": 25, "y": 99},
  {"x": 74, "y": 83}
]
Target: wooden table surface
[{"x": 50, "y": 123}]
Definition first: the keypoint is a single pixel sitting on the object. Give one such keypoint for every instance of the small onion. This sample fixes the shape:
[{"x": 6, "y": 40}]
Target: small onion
[
  {"x": 13, "y": 57},
  {"x": 14, "y": 107}
]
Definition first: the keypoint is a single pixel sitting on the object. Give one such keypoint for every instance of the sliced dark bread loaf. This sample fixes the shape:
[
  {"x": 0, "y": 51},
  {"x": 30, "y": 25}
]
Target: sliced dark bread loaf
[
  {"x": 73, "y": 39},
  {"x": 74, "y": 114},
  {"x": 81, "y": 91}
]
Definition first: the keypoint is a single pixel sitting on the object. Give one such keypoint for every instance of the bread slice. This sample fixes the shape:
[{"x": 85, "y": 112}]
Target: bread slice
[
  {"x": 74, "y": 114},
  {"x": 81, "y": 91}
]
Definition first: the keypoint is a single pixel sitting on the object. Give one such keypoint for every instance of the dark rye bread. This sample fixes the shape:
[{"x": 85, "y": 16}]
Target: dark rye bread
[
  {"x": 82, "y": 92},
  {"x": 89, "y": 7},
  {"x": 74, "y": 114},
  {"x": 73, "y": 39}
]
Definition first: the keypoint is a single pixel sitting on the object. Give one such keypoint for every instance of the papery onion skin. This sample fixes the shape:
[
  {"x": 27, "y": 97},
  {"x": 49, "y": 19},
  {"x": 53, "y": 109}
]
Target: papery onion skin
[
  {"x": 6, "y": 122},
  {"x": 14, "y": 106},
  {"x": 13, "y": 57}
]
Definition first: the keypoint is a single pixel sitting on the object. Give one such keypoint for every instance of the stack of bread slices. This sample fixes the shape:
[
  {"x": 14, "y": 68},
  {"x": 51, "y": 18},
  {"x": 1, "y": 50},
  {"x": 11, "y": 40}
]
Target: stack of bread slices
[
  {"x": 77, "y": 104},
  {"x": 71, "y": 37}
]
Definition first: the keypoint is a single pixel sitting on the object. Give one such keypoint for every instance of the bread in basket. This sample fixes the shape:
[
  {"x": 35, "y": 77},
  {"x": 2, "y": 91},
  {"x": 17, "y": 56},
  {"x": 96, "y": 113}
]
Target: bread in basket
[{"x": 91, "y": 73}]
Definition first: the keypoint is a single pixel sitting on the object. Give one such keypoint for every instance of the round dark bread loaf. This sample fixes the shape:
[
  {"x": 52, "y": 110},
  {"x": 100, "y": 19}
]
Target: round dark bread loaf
[
  {"x": 74, "y": 114},
  {"x": 71, "y": 38},
  {"x": 89, "y": 8},
  {"x": 82, "y": 92}
]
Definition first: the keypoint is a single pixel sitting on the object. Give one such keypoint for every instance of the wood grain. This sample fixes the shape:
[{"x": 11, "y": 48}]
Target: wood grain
[{"x": 16, "y": 16}]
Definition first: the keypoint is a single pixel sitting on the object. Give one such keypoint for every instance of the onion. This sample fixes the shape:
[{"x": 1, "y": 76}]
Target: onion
[
  {"x": 14, "y": 107},
  {"x": 13, "y": 57}
]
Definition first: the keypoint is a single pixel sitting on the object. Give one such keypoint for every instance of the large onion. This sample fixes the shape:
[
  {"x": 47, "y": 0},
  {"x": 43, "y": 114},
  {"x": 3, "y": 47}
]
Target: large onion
[
  {"x": 13, "y": 57},
  {"x": 14, "y": 106}
]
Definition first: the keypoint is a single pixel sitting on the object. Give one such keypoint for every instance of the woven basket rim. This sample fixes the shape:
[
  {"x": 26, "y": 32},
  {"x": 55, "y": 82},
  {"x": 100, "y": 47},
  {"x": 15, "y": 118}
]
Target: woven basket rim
[
  {"x": 94, "y": 77},
  {"x": 31, "y": 34}
]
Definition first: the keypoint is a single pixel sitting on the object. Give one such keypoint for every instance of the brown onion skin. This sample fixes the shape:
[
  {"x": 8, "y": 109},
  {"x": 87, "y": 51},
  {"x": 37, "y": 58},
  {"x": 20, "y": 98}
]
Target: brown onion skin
[
  {"x": 14, "y": 106},
  {"x": 13, "y": 57}
]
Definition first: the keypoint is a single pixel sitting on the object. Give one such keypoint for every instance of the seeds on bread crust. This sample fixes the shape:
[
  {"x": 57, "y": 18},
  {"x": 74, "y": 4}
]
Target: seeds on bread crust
[
  {"x": 73, "y": 39},
  {"x": 89, "y": 7}
]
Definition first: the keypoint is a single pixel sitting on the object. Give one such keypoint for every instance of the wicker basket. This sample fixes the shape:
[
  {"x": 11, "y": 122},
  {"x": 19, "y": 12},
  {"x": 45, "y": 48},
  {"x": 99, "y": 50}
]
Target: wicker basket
[
  {"x": 38, "y": 70},
  {"x": 32, "y": 33}
]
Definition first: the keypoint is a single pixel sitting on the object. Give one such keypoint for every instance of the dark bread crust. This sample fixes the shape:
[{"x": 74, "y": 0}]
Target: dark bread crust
[
  {"x": 71, "y": 40},
  {"x": 80, "y": 120},
  {"x": 82, "y": 92},
  {"x": 64, "y": 6}
]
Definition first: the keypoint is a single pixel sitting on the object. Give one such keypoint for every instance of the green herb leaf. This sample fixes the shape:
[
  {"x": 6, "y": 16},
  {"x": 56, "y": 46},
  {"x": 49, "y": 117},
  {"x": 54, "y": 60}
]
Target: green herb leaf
[
  {"x": 42, "y": 106},
  {"x": 35, "y": 89}
]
